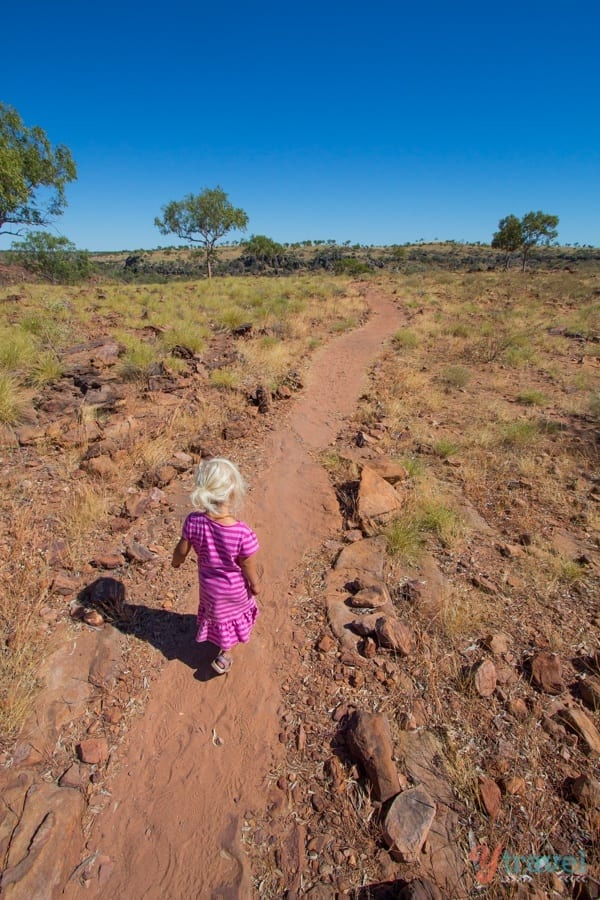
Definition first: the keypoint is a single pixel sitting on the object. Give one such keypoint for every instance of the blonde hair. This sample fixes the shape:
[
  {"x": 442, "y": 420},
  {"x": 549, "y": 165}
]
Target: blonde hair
[{"x": 218, "y": 484}]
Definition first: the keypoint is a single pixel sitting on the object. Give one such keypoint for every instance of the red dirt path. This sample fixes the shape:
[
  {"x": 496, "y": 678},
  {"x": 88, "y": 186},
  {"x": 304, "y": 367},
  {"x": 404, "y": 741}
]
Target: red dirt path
[{"x": 199, "y": 757}]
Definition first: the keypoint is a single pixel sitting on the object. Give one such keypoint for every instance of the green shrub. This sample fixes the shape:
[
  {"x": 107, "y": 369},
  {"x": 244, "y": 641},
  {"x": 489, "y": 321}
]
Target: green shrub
[{"x": 405, "y": 338}]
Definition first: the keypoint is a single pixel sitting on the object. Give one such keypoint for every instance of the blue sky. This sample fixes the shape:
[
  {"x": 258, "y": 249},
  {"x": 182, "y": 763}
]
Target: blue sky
[{"x": 376, "y": 123}]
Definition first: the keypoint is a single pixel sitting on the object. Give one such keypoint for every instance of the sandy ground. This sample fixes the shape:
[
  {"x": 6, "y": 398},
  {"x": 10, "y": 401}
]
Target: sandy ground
[{"x": 201, "y": 754}]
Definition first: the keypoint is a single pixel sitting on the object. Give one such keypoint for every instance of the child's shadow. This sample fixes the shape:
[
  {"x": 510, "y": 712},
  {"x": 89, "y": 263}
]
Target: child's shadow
[{"x": 172, "y": 633}]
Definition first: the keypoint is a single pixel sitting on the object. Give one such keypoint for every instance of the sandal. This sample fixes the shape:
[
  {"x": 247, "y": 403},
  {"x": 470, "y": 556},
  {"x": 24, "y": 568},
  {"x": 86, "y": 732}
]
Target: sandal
[{"x": 222, "y": 663}]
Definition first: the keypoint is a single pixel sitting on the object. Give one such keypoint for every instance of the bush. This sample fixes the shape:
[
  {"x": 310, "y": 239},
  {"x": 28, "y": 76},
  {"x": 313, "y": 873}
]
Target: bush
[{"x": 54, "y": 258}]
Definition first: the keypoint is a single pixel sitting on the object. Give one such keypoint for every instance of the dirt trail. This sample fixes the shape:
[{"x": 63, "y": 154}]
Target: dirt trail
[{"x": 199, "y": 757}]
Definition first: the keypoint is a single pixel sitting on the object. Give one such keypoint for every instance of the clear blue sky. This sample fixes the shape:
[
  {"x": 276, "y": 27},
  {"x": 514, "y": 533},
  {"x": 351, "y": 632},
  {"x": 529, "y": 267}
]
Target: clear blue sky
[{"x": 379, "y": 123}]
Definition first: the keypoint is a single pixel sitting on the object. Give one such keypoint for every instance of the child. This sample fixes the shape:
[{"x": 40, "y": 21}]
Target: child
[{"x": 226, "y": 549}]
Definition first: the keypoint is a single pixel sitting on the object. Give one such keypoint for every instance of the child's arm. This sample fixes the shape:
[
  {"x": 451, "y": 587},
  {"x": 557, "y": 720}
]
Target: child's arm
[
  {"x": 180, "y": 552},
  {"x": 250, "y": 570}
]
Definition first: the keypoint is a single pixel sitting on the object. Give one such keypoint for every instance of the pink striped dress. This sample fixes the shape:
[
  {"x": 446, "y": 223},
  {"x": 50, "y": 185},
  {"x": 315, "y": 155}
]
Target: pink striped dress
[{"x": 227, "y": 610}]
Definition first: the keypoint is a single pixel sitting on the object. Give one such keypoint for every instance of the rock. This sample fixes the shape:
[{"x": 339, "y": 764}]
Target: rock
[
  {"x": 391, "y": 470},
  {"x": 136, "y": 505},
  {"x": 518, "y": 708},
  {"x": 105, "y": 666},
  {"x": 514, "y": 784},
  {"x": 589, "y": 691},
  {"x": 65, "y": 584},
  {"x": 366, "y": 556},
  {"x": 490, "y": 796},
  {"x": 108, "y": 560},
  {"x": 370, "y": 597},
  {"x": 93, "y": 751},
  {"x": 326, "y": 643},
  {"x": 577, "y": 721},
  {"x": 29, "y": 434},
  {"x": 484, "y": 584},
  {"x": 369, "y": 648},
  {"x": 72, "y": 778},
  {"x": 395, "y": 635},
  {"x": 138, "y": 553},
  {"x": 235, "y": 430},
  {"x": 498, "y": 644},
  {"x": 484, "y": 678},
  {"x": 163, "y": 475},
  {"x": 44, "y": 844},
  {"x": 369, "y": 741},
  {"x": 101, "y": 467},
  {"x": 586, "y": 791},
  {"x": 407, "y": 822},
  {"x": 546, "y": 673},
  {"x": 377, "y": 500}
]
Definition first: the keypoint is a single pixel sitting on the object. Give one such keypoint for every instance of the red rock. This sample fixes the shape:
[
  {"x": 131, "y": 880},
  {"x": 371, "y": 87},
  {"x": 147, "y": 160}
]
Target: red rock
[
  {"x": 138, "y": 553},
  {"x": 490, "y": 796},
  {"x": 43, "y": 847},
  {"x": 72, "y": 778},
  {"x": 391, "y": 470},
  {"x": 518, "y": 708},
  {"x": 377, "y": 499},
  {"x": 546, "y": 673},
  {"x": 586, "y": 791},
  {"x": 368, "y": 739},
  {"x": 326, "y": 643},
  {"x": 370, "y": 597},
  {"x": 577, "y": 721},
  {"x": 408, "y": 821},
  {"x": 101, "y": 467},
  {"x": 136, "y": 505},
  {"x": 93, "y": 751},
  {"x": 65, "y": 584},
  {"x": 395, "y": 635},
  {"x": 484, "y": 678},
  {"x": 498, "y": 644},
  {"x": 367, "y": 556},
  {"x": 108, "y": 560},
  {"x": 514, "y": 784},
  {"x": 589, "y": 691}
]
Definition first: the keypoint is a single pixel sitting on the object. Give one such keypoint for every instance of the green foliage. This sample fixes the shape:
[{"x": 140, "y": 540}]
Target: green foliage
[
  {"x": 33, "y": 174},
  {"x": 264, "y": 249},
  {"x": 405, "y": 338},
  {"x": 350, "y": 265},
  {"x": 533, "y": 229},
  {"x": 531, "y": 398},
  {"x": 54, "y": 258},
  {"x": 12, "y": 401},
  {"x": 202, "y": 219},
  {"x": 455, "y": 376}
]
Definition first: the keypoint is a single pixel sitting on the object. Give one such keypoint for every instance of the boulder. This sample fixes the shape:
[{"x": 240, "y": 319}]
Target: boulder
[
  {"x": 44, "y": 844},
  {"x": 369, "y": 741},
  {"x": 546, "y": 673},
  {"x": 408, "y": 821},
  {"x": 377, "y": 500}
]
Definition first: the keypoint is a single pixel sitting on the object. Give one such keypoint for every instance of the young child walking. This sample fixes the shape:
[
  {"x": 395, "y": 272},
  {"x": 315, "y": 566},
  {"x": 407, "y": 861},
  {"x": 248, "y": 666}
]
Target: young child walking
[{"x": 226, "y": 549}]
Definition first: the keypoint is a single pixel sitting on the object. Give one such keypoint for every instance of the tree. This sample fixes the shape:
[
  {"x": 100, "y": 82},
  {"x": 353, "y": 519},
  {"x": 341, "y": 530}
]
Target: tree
[
  {"x": 33, "y": 174},
  {"x": 202, "y": 219},
  {"x": 264, "y": 249},
  {"x": 54, "y": 258},
  {"x": 537, "y": 228},
  {"x": 533, "y": 229},
  {"x": 509, "y": 236}
]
